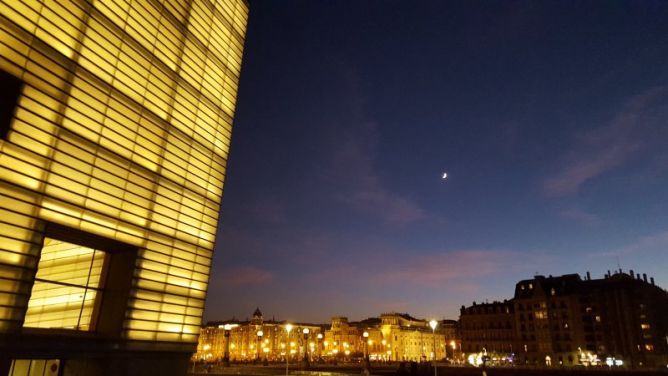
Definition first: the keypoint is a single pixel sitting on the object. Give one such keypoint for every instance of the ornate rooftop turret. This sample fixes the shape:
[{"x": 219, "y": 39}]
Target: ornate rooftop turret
[{"x": 257, "y": 317}]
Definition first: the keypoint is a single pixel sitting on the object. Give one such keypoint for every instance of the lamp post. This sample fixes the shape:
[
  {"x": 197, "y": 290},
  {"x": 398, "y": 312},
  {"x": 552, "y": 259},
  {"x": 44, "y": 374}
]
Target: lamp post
[
  {"x": 319, "y": 346},
  {"x": 367, "y": 364},
  {"x": 384, "y": 343},
  {"x": 226, "y": 358},
  {"x": 305, "y": 362},
  {"x": 484, "y": 361},
  {"x": 259, "y": 333},
  {"x": 288, "y": 328},
  {"x": 433, "y": 324}
]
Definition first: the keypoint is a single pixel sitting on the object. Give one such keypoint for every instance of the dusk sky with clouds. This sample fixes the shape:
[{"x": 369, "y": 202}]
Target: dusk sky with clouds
[{"x": 550, "y": 118}]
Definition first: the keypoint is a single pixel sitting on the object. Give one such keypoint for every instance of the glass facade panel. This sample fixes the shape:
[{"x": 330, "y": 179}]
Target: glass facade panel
[
  {"x": 67, "y": 286},
  {"x": 121, "y": 129}
]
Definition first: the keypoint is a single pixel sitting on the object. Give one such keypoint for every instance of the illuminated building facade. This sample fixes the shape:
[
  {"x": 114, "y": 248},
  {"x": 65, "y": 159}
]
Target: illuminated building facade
[
  {"x": 258, "y": 340},
  {"x": 411, "y": 339},
  {"x": 620, "y": 320},
  {"x": 391, "y": 337},
  {"x": 489, "y": 327},
  {"x": 344, "y": 340},
  {"x": 115, "y": 123}
]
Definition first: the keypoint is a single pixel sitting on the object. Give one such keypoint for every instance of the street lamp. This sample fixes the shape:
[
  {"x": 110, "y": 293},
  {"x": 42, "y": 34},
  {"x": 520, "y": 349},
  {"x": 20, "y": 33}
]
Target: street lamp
[
  {"x": 367, "y": 365},
  {"x": 259, "y": 333},
  {"x": 484, "y": 361},
  {"x": 433, "y": 324},
  {"x": 227, "y": 328},
  {"x": 383, "y": 348},
  {"x": 306, "y": 361},
  {"x": 319, "y": 346},
  {"x": 288, "y": 328}
]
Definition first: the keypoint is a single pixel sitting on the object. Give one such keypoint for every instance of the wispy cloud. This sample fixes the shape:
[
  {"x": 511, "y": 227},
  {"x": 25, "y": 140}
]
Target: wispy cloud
[
  {"x": 581, "y": 216},
  {"x": 268, "y": 210},
  {"x": 455, "y": 266},
  {"x": 246, "y": 276},
  {"x": 656, "y": 242},
  {"x": 452, "y": 268},
  {"x": 353, "y": 163},
  {"x": 598, "y": 151}
]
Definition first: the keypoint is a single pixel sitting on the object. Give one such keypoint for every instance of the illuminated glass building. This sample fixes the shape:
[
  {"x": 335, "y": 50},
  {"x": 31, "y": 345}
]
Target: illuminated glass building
[{"x": 115, "y": 121}]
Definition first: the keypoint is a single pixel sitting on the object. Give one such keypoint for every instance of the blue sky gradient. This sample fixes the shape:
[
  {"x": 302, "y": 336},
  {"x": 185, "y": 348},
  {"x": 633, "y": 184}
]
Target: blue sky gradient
[{"x": 550, "y": 118}]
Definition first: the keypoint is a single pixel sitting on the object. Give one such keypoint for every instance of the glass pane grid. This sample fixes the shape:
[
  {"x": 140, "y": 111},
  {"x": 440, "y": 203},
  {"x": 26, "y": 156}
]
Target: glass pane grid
[{"x": 66, "y": 286}]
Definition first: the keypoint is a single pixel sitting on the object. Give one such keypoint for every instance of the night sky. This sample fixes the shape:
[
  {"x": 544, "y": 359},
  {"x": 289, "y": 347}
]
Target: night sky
[{"x": 550, "y": 119}]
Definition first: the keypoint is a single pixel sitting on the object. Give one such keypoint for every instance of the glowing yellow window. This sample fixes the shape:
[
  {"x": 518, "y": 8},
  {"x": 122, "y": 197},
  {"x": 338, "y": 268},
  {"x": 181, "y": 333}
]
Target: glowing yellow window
[{"x": 67, "y": 289}]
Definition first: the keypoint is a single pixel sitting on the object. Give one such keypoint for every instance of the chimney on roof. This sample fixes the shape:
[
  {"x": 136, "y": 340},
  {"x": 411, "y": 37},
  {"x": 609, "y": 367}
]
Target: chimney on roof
[
  {"x": 631, "y": 273},
  {"x": 638, "y": 276},
  {"x": 588, "y": 276},
  {"x": 608, "y": 275},
  {"x": 644, "y": 277},
  {"x": 652, "y": 280}
]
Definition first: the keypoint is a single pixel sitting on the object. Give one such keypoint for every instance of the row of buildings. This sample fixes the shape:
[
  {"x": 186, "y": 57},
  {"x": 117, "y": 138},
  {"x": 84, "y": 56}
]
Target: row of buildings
[
  {"x": 619, "y": 320},
  {"x": 390, "y": 337}
]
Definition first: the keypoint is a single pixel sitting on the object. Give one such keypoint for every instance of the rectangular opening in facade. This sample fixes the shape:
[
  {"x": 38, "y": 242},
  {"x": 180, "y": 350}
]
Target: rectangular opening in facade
[
  {"x": 9, "y": 93},
  {"x": 68, "y": 287},
  {"x": 82, "y": 283}
]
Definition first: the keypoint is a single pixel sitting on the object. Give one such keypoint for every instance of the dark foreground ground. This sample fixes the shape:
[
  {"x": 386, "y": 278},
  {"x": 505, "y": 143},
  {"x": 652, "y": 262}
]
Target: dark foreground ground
[{"x": 394, "y": 370}]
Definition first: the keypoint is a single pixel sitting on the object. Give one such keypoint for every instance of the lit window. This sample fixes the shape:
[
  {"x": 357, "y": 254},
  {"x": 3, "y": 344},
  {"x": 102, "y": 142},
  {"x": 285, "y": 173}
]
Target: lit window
[
  {"x": 644, "y": 326},
  {"x": 649, "y": 347},
  {"x": 34, "y": 367},
  {"x": 67, "y": 287}
]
